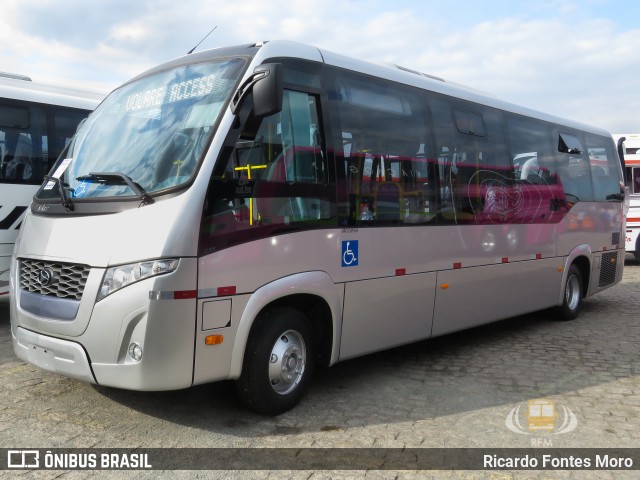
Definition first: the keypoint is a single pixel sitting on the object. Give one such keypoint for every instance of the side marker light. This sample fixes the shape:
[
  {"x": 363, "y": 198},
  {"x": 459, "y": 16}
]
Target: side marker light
[{"x": 213, "y": 339}]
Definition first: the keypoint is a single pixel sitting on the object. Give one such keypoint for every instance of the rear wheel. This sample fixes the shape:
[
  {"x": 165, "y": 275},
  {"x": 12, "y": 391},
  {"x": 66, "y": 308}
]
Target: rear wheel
[
  {"x": 278, "y": 362},
  {"x": 636, "y": 253},
  {"x": 572, "y": 299}
]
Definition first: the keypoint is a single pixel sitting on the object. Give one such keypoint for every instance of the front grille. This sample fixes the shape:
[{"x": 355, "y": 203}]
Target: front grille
[
  {"x": 62, "y": 280},
  {"x": 608, "y": 268}
]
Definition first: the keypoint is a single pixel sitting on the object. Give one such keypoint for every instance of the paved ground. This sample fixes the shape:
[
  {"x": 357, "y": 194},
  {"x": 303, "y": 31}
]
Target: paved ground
[{"x": 454, "y": 391}]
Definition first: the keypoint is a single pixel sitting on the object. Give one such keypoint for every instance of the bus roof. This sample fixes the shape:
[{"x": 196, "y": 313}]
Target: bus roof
[
  {"x": 18, "y": 87},
  {"x": 264, "y": 51},
  {"x": 435, "y": 84}
]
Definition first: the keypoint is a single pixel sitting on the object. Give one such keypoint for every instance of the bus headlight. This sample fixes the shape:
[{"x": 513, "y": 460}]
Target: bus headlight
[{"x": 116, "y": 278}]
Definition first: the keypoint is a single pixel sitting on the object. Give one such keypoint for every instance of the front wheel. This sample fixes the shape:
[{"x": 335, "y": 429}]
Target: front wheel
[
  {"x": 278, "y": 362},
  {"x": 572, "y": 298}
]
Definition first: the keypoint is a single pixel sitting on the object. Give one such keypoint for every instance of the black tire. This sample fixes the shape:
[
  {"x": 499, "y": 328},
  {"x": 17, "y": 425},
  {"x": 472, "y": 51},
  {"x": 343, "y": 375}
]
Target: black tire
[
  {"x": 572, "y": 296},
  {"x": 636, "y": 253},
  {"x": 278, "y": 363}
]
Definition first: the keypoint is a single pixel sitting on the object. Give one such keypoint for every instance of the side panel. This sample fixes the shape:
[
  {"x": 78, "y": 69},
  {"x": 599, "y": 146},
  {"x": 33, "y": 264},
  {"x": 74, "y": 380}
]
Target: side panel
[
  {"x": 593, "y": 224},
  {"x": 468, "y": 297},
  {"x": 14, "y": 201},
  {"x": 386, "y": 312},
  {"x": 595, "y": 231},
  {"x": 213, "y": 362},
  {"x": 5, "y": 266},
  {"x": 633, "y": 224},
  {"x": 218, "y": 362},
  {"x": 631, "y": 239},
  {"x": 388, "y": 276}
]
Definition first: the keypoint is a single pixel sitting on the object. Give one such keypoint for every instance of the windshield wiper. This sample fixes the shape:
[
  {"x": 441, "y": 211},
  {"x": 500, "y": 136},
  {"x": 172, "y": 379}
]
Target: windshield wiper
[
  {"x": 66, "y": 203},
  {"x": 117, "y": 178}
]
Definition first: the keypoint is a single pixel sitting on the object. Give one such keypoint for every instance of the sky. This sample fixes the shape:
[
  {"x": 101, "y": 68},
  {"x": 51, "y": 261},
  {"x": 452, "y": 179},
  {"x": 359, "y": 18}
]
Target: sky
[{"x": 576, "y": 59}]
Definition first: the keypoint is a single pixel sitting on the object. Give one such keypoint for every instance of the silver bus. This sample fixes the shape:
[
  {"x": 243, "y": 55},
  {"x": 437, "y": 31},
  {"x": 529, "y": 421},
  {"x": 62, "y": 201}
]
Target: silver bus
[
  {"x": 251, "y": 212},
  {"x": 36, "y": 123}
]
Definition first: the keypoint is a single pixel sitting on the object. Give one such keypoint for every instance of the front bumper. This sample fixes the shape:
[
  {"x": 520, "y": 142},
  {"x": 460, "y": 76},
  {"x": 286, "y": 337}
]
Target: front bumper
[{"x": 53, "y": 354}]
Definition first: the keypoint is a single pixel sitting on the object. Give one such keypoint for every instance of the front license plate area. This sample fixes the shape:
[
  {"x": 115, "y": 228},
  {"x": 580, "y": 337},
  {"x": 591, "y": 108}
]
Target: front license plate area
[{"x": 42, "y": 357}]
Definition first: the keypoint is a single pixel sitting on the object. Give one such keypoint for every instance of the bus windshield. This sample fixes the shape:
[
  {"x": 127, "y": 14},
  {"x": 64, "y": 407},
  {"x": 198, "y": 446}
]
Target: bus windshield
[{"x": 151, "y": 131}]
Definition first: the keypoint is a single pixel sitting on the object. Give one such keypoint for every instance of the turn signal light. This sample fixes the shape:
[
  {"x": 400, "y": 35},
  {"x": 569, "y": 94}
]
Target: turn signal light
[{"x": 213, "y": 339}]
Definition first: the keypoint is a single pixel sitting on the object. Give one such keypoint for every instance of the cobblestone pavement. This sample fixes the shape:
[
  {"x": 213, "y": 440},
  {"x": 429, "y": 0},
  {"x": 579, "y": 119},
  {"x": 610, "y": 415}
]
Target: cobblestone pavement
[{"x": 453, "y": 391}]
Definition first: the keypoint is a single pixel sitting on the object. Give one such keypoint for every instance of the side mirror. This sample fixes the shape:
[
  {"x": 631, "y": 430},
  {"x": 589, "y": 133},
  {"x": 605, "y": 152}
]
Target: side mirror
[
  {"x": 267, "y": 86},
  {"x": 621, "y": 152},
  {"x": 268, "y": 90}
]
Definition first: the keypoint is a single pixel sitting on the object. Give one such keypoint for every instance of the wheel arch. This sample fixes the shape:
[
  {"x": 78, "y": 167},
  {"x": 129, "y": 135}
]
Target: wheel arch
[
  {"x": 584, "y": 267},
  {"x": 312, "y": 293},
  {"x": 581, "y": 257}
]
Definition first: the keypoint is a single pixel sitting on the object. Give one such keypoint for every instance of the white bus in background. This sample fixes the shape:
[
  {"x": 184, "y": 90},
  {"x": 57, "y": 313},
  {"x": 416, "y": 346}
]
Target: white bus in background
[
  {"x": 248, "y": 212},
  {"x": 36, "y": 123},
  {"x": 631, "y": 149}
]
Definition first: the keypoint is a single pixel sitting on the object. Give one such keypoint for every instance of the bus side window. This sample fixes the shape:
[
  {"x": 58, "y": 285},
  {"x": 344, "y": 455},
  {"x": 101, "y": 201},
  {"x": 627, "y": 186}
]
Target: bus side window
[
  {"x": 474, "y": 166},
  {"x": 574, "y": 170},
  {"x": 275, "y": 180},
  {"x": 535, "y": 172},
  {"x": 24, "y": 127},
  {"x": 296, "y": 159},
  {"x": 605, "y": 170},
  {"x": 386, "y": 175}
]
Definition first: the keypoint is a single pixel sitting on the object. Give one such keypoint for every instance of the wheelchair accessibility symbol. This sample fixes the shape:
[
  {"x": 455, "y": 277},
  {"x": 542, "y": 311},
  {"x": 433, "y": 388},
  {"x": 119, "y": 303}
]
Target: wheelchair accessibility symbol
[{"x": 350, "y": 253}]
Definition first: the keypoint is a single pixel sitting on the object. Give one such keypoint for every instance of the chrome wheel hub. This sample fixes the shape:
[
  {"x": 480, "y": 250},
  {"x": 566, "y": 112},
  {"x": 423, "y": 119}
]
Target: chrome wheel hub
[
  {"x": 287, "y": 362},
  {"x": 572, "y": 292}
]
